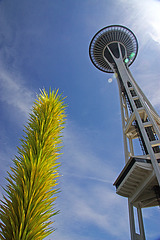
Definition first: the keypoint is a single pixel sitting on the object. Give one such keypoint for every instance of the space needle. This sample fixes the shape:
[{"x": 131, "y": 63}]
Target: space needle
[{"x": 112, "y": 50}]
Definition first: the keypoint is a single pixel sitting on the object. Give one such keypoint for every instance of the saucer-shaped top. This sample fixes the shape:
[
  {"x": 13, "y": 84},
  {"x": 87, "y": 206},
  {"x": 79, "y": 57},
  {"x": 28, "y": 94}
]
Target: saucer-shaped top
[{"x": 108, "y": 35}]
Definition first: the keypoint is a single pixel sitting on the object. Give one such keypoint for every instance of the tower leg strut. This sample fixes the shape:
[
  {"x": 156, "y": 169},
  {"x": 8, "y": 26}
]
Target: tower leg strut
[{"x": 134, "y": 235}]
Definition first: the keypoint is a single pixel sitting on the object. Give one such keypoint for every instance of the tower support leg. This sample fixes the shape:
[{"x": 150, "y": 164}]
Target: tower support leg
[
  {"x": 131, "y": 221},
  {"x": 140, "y": 221},
  {"x": 134, "y": 235}
]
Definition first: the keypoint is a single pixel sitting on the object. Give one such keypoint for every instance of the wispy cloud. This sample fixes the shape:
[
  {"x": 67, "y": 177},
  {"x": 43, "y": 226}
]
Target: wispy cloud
[
  {"x": 143, "y": 17},
  {"x": 88, "y": 177},
  {"x": 82, "y": 160},
  {"x": 14, "y": 93},
  {"x": 102, "y": 208},
  {"x": 18, "y": 100}
]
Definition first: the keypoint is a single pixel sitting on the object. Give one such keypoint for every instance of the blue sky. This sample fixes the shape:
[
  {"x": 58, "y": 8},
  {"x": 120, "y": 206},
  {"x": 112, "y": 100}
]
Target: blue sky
[{"x": 45, "y": 44}]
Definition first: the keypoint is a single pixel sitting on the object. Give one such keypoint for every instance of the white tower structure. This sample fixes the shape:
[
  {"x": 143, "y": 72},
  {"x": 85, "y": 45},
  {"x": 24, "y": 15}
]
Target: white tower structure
[{"x": 112, "y": 50}]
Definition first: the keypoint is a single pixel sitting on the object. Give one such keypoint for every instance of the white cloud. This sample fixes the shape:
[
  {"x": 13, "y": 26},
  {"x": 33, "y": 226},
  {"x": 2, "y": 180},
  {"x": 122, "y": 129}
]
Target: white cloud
[
  {"x": 14, "y": 93},
  {"x": 18, "y": 100},
  {"x": 103, "y": 208},
  {"x": 93, "y": 205},
  {"x": 83, "y": 161},
  {"x": 143, "y": 17}
]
